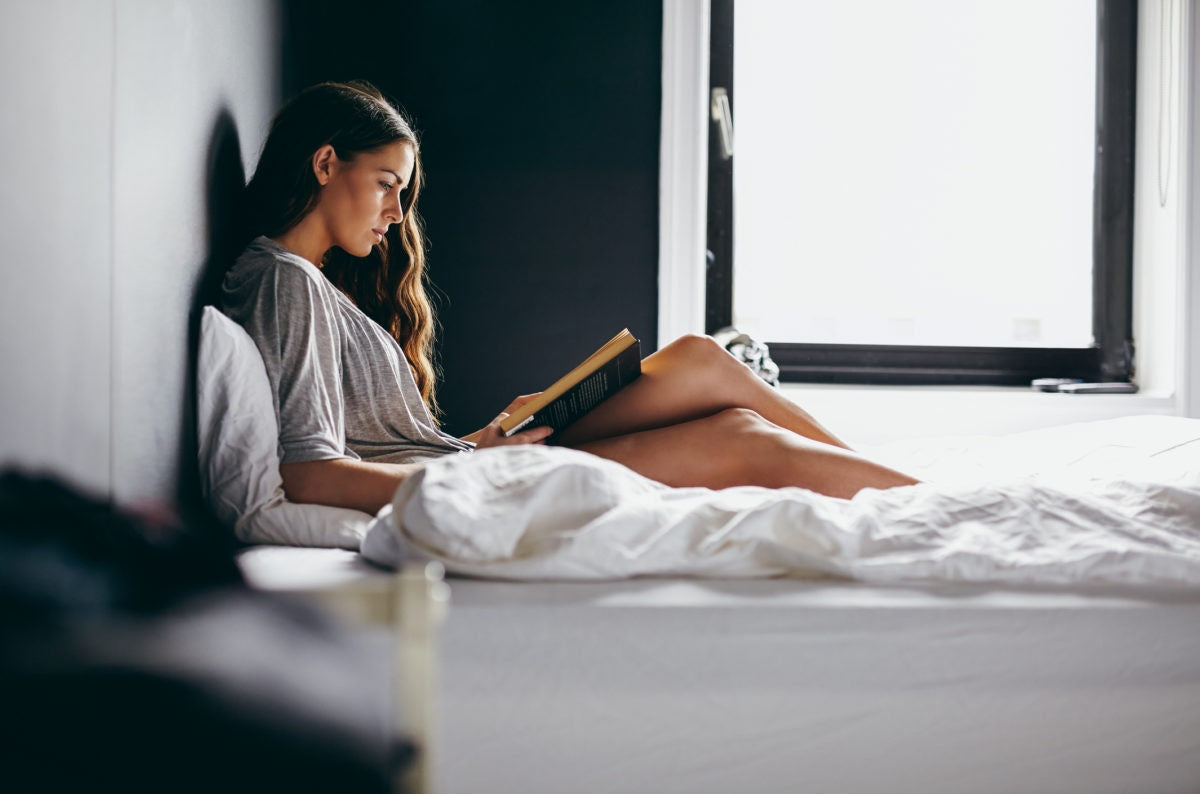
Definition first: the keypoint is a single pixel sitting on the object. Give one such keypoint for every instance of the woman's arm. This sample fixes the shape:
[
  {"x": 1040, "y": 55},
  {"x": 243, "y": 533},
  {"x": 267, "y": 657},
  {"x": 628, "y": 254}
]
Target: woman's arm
[
  {"x": 343, "y": 482},
  {"x": 360, "y": 485}
]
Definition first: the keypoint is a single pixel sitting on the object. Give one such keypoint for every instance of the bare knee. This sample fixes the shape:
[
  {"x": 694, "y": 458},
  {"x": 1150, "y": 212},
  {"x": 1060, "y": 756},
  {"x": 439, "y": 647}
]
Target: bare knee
[
  {"x": 696, "y": 347},
  {"x": 756, "y": 451},
  {"x": 700, "y": 356},
  {"x": 747, "y": 436},
  {"x": 746, "y": 446},
  {"x": 739, "y": 423}
]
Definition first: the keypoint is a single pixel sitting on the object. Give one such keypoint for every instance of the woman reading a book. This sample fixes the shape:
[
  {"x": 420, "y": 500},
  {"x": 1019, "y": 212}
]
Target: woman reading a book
[{"x": 331, "y": 289}]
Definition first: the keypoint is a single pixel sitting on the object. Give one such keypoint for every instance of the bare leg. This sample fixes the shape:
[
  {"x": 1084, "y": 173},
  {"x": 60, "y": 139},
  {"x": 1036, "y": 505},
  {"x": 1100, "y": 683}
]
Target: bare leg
[
  {"x": 739, "y": 447},
  {"x": 691, "y": 378}
]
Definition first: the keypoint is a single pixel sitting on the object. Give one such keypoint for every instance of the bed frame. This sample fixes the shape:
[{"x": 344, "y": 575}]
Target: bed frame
[{"x": 783, "y": 685}]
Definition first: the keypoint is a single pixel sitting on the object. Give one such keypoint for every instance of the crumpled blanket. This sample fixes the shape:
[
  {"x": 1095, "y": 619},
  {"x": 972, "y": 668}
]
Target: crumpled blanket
[{"x": 1114, "y": 502}]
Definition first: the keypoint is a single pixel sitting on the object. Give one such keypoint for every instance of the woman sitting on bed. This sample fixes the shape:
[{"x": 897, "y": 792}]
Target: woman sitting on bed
[{"x": 332, "y": 292}]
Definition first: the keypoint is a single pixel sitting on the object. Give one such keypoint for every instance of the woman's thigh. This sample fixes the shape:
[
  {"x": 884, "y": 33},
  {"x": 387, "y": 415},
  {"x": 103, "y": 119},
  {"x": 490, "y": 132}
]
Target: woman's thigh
[
  {"x": 738, "y": 447},
  {"x": 685, "y": 454}
]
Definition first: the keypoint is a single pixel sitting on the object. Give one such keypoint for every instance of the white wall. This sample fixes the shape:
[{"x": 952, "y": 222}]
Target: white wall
[
  {"x": 56, "y": 216},
  {"x": 1159, "y": 176},
  {"x": 110, "y": 110},
  {"x": 683, "y": 168},
  {"x": 1189, "y": 113}
]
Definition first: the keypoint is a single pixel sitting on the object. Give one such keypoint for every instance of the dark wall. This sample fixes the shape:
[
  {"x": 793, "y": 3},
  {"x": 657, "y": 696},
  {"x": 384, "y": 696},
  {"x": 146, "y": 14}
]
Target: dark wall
[{"x": 540, "y": 136}]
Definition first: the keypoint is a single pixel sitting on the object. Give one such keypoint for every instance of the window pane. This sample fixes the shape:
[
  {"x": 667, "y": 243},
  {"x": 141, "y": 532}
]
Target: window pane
[{"x": 915, "y": 172}]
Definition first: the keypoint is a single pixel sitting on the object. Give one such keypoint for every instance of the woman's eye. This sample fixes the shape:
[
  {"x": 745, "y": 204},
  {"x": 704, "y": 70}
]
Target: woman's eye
[{"x": 387, "y": 186}]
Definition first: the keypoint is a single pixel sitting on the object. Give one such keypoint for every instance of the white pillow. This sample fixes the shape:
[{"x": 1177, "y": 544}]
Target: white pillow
[{"x": 239, "y": 448}]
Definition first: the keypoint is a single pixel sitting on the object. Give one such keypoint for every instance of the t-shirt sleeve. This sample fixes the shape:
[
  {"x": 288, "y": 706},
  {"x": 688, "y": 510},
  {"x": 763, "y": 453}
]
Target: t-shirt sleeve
[{"x": 294, "y": 322}]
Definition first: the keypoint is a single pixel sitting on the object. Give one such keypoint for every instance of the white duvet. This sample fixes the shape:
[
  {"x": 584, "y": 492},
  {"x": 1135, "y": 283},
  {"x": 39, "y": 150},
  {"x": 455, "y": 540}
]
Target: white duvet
[{"x": 1104, "y": 502}]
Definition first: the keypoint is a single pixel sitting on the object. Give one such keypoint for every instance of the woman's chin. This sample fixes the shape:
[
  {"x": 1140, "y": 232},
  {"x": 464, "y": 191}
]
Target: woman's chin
[{"x": 362, "y": 250}]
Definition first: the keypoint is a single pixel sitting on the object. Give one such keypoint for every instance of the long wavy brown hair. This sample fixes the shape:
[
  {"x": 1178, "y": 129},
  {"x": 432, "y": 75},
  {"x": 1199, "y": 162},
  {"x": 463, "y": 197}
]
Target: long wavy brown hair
[{"x": 389, "y": 284}]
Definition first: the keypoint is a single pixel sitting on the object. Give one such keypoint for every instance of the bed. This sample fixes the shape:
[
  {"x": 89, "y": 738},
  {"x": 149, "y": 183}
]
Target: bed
[
  {"x": 557, "y": 676},
  {"x": 1028, "y": 619},
  {"x": 784, "y": 685}
]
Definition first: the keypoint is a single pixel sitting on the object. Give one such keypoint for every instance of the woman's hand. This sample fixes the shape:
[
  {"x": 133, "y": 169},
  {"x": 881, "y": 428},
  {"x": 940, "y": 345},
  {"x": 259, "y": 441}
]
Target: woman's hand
[{"x": 493, "y": 436}]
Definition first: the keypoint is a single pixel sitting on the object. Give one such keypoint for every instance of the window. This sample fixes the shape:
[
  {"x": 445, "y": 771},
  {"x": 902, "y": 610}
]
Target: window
[{"x": 929, "y": 191}]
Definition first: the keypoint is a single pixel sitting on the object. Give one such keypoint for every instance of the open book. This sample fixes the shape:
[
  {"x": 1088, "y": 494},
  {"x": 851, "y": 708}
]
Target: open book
[{"x": 600, "y": 376}]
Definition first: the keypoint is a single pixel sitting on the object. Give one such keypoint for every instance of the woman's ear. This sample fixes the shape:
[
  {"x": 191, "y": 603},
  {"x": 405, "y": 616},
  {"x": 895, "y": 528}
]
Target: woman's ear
[{"x": 323, "y": 162}]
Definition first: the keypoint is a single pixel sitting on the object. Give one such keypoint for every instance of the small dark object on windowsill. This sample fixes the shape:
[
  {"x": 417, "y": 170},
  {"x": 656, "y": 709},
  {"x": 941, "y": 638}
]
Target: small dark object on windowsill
[
  {"x": 1114, "y": 387},
  {"x": 1077, "y": 386}
]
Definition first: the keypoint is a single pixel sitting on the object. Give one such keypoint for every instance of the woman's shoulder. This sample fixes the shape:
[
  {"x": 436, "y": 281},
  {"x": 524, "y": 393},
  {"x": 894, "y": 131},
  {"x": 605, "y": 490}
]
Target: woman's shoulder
[
  {"x": 265, "y": 263},
  {"x": 267, "y": 274},
  {"x": 263, "y": 255}
]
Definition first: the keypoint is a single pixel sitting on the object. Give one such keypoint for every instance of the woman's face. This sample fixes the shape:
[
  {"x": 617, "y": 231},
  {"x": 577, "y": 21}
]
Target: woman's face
[{"x": 360, "y": 198}]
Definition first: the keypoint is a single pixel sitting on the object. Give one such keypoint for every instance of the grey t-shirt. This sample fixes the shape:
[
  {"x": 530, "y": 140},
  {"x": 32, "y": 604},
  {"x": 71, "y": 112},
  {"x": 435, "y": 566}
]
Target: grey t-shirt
[{"x": 342, "y": 385}]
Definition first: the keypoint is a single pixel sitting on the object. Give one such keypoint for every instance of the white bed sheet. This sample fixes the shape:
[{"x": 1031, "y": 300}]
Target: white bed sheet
[{"x": 1114, "y": 502}]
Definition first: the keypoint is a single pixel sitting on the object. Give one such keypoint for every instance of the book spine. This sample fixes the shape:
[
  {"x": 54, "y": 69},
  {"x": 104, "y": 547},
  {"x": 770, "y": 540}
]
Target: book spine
[{"x": 589, "y": 392}]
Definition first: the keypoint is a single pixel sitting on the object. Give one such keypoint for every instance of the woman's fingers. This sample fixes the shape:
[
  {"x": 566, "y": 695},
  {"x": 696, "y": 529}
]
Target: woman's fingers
[
  {"x": 537, "y": 435},
  {"x": 493, "y": 436},
  {"x": 519, "y": 401}
]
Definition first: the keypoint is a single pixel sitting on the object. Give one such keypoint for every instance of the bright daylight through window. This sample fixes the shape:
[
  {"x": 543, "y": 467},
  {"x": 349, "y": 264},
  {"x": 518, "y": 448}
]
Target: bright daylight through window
[{"x": 915, "y": 173}]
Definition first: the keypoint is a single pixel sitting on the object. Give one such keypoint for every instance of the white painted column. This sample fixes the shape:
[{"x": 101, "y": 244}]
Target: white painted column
[{"x": 683, "y": 170}]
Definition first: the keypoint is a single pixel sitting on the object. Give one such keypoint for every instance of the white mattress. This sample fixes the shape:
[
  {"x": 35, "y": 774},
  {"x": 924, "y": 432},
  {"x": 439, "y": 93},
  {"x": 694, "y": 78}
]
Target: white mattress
[
  {"x": 788, "y": 686},
  {"x": 302, "y": 569},
  {"x": 780, "y": 685}
]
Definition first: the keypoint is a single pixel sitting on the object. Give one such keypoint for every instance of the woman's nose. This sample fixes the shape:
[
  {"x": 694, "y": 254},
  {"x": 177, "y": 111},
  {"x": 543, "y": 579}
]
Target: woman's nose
[{"x": 394, "y": 212}]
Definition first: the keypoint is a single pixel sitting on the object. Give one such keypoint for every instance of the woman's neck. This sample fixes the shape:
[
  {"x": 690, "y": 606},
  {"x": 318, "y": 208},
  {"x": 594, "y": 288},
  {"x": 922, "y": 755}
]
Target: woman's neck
[{"x": 308, "y": 239}]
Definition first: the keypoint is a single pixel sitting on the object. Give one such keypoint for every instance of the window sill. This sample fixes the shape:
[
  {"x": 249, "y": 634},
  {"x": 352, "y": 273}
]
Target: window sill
[{"x": 865, "y": 415}]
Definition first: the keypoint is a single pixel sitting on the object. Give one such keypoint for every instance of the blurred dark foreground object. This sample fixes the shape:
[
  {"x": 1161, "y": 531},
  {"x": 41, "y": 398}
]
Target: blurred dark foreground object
[{"x": 133, "y": 657}]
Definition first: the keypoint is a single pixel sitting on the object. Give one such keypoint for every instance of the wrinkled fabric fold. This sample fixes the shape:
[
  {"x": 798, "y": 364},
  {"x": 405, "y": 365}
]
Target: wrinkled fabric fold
[{"x": 536, "y": 512}]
